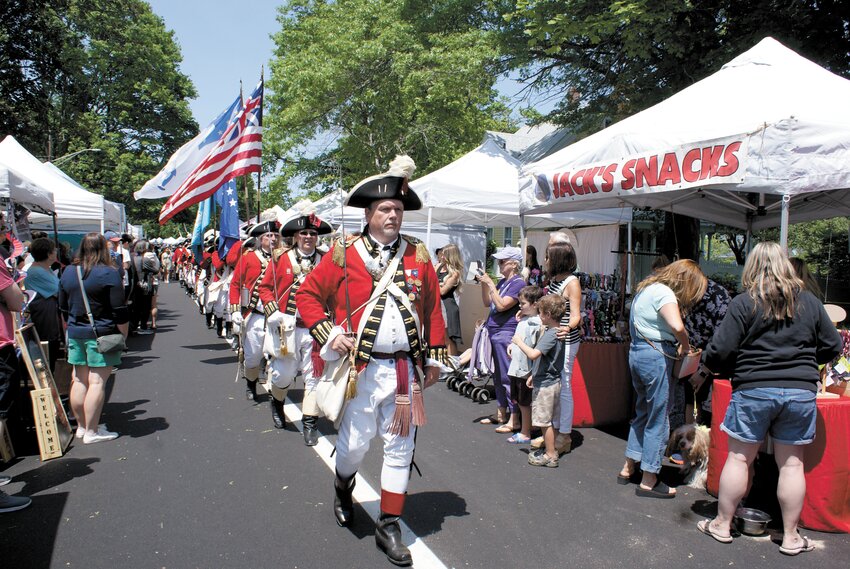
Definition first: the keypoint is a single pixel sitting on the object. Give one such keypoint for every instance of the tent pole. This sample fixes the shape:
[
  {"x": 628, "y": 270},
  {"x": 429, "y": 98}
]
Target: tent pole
[
  {"x": 748, "y": 245},
  {"x": 428, "y": 233},
  {"x": 523, "y": 238},
  {"x": 783, "y": 227},
  {"x": 629, "y": 274},
  {"x": 55, "y": 231}
]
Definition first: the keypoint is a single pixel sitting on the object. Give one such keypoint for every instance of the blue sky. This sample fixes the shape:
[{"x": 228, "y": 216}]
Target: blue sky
[{"x": 216, "y": 52}]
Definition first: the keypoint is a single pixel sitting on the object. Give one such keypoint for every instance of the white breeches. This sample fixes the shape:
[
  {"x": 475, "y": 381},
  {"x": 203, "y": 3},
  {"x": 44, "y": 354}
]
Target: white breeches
[
  {"x": 284, "y": 370},
  {"x": 255, "y": 330},
  {"x": 370, "y": 413}
]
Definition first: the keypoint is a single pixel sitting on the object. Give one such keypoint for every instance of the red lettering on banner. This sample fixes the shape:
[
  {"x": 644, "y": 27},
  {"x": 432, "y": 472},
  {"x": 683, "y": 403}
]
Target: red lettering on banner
[
  {"x": 710, "y": 161},
  {"x": 731, "y": 161},
  {"x": 608, "y": 178},
  {"x": 587, "y": 182},
  {"x": 564, "y": 183},
  {"x": 646, "y": 171},
  {"x": 669, "y": 170},
  {"x": 576, "y": 184},
  {"x": 628, "y": 175},
  {"x": 688, "y": 171}
]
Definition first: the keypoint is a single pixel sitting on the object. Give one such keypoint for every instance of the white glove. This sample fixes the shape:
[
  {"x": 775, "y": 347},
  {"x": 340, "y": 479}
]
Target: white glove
[
  {"x": 275, "y": 320},
  {"x": 236, "y": 318}
]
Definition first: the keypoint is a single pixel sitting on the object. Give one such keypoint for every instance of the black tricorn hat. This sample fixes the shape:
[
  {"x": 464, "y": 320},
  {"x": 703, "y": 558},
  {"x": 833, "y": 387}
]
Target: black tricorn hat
[
  {"x": 391, "y": 185},
  {"x": 270, "y": 226},
  {"x": 301, "y": 222}
]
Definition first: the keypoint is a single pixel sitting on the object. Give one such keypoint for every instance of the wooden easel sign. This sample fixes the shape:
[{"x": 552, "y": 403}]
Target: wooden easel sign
[{"x": 51, "y": 423}]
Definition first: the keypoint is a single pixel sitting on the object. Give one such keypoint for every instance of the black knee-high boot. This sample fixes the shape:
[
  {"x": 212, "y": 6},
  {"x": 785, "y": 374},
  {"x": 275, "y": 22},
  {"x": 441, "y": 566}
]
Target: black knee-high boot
[{"x": 343, "y": 503}]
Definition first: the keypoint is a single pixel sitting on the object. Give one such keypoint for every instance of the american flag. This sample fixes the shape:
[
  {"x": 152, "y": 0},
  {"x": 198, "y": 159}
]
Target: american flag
[{"x": 238, "y": 152}]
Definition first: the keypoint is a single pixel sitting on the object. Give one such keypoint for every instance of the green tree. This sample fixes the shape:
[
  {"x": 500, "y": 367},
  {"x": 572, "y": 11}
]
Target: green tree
[
  {"x": 99, "y": 74},
  {"x": 369, "y": 79}
]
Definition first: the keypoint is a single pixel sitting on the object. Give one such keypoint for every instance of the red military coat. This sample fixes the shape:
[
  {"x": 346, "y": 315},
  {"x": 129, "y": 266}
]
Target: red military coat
[
  {"x": 277, "y": 285},
  {"x": 218, "y": 266},
  {"x": 325, "y": 289},
  {"x": 245, "y": 276}
]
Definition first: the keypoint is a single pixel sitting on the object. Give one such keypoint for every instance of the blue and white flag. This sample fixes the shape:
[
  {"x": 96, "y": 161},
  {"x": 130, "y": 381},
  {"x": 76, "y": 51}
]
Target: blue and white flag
[
  {"x": 228, "y": 200},
  {"x": 183, "y": 162}
]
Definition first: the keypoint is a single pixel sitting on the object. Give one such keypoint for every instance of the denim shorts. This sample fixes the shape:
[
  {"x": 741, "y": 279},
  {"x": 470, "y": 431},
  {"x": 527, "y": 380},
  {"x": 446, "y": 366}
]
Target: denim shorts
[{"x": 789, "y": 415}]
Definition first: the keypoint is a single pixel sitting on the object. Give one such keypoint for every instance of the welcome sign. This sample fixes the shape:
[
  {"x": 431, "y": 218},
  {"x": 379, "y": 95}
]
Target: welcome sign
[{"x": 700, "y": 164}]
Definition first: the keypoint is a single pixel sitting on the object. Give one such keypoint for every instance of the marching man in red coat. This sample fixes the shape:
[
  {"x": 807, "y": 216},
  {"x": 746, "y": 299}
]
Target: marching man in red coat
[
  {"x": 288, "y": 271},
  {"x": 396, "y": 334},
  {"x": 246, "y": 310}
]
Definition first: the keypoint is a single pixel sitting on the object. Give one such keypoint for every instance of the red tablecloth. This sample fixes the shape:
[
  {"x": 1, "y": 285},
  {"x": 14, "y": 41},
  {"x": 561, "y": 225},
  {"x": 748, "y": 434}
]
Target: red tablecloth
[
  {"x": 602, "y": 386},
  {"x": 827, "y": 461}
]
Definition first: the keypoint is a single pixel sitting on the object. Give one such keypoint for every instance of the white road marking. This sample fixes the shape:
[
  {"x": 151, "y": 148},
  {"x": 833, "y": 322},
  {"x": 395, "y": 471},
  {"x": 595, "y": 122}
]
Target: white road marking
[{"x": 368, "y": 498}]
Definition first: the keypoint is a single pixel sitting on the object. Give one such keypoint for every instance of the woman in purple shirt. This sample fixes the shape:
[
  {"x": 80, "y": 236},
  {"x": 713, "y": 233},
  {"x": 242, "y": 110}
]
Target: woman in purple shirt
[{"x": 502, "y": 298}]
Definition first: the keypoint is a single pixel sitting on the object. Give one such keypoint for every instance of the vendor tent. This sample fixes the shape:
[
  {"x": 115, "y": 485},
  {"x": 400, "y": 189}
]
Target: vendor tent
[
  {"x": 480, "y": 188},
  {"x": 76, "y": 209},
  {"x": 765, "y": 139},
  {"x": 20, "y": 189},
  {"x": 113, "y": 213}
]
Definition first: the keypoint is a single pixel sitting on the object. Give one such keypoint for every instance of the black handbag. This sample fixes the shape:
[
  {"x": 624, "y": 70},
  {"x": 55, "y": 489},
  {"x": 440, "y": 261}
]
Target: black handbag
[{"x": 108, "y": 343}]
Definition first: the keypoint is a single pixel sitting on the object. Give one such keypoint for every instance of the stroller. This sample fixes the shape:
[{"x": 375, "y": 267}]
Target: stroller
[{"x": 471, "y": 373}]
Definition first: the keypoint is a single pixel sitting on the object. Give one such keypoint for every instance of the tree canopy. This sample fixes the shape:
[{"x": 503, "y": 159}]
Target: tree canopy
[
  {"x": 603, "y": 60},
  {"x": 104, "y": 74},
  {"x": 368, "y": 79}
]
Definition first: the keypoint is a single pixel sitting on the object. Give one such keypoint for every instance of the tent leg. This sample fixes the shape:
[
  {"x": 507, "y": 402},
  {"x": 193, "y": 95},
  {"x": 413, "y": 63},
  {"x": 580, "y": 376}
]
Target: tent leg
[
  {"x": 55, "y": 232},
  {"x": 783, "y": 227},
  {"x": 630, "y": 254},
  {"x": 748, "y": 237},
  {"x": 523, "y": 238}
]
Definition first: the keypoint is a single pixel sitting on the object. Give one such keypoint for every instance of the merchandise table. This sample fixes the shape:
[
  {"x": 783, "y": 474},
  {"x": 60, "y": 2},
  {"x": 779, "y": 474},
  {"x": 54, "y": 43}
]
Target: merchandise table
[
  {"x": 827, "y": 461},
  {"x": 602, "y": 385}
]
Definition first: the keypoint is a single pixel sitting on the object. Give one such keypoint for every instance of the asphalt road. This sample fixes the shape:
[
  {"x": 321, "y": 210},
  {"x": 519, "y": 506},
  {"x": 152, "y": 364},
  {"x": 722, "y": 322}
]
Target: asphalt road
[{"x": 199, "y": 478}]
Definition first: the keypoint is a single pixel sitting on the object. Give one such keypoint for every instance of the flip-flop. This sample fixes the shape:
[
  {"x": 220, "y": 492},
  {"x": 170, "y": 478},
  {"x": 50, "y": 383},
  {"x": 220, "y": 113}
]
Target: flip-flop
[
  {"x": 704, "y": 526},
  {"x": 491, "y": 420},
  {"x": 805, "y": 548},
  {"x": 624, "y": 480},
  {"x": 504, "y": 429},
  {"x": 660, "y": 490},
  {"x": 518, "y": 439}
]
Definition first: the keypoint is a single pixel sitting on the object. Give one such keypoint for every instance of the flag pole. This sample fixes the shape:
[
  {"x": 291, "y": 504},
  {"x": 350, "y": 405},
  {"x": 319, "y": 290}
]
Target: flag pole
[{"x": 262, "y": 95}]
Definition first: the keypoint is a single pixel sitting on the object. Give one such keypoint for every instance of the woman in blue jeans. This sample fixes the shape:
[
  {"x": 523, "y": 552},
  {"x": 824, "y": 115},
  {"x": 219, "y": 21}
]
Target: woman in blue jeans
[
  {"x": 770, "y": 343},
  {"x": 502, "y": 299},
  {"x": 658, "y": 339}
]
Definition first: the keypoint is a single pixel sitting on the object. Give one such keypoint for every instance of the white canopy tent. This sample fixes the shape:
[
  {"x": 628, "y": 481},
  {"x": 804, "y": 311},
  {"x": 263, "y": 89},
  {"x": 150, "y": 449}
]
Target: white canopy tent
[
  {"x": 76, "y": 208},
  {"x": 18, "y": 188},
  {"x": 763, "y": 141},
  {"x": 480, "y": 188},
  {"x": 113, "y": 213}
]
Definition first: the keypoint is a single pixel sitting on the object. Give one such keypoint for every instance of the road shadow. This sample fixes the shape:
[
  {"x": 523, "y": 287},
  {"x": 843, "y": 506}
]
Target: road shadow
[
  {"x": 215, "y": 346},
  {"x": 54, "y": 473},
  {"x": 123, "y": 418},
  {"x": 29, "y": 535},
  {"x": 130, "y": 362},
  {"x": 231, "y": 359},
  {"x": 428, "y": 511}
]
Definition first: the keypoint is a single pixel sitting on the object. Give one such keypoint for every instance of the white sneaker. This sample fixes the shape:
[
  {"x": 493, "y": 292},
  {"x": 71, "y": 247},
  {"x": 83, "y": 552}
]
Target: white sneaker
[
  {"x": 100, "y": 436},
  {"x": 81, "y": 431}
]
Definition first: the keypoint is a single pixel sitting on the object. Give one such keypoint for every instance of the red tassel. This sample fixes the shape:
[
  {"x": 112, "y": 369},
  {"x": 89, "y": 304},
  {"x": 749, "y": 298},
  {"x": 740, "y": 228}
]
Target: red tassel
[
  {"x": 318, "y": 362},
  {"x": 401, "y": 418},
  {"x": 418, "y": 405}
]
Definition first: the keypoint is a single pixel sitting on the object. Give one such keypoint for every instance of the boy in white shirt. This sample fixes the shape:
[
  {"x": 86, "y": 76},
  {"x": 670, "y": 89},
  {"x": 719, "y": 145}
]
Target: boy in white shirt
[{"x": 529, "y": 329}]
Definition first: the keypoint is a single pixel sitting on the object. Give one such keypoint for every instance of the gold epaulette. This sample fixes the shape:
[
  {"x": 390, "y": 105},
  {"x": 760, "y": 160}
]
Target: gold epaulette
[
  {"x": 338, "y": 256},
  {"x": 280, "y": 252},
  {"x": 422, "y": 255}
]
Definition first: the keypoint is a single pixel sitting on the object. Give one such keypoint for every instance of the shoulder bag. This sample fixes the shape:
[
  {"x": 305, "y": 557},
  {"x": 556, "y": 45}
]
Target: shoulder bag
[{"x": 108, "y": 343}]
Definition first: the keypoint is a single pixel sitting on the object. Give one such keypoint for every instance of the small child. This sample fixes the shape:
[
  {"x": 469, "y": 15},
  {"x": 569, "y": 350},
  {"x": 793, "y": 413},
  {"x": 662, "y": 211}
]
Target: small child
[
  {"x": 528, "y": 328},
  {"x": 548, "y": 357}
]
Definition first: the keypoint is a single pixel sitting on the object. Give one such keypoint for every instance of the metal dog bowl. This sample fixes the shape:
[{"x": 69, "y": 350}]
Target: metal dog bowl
[{"x": 750, "y": 521}]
